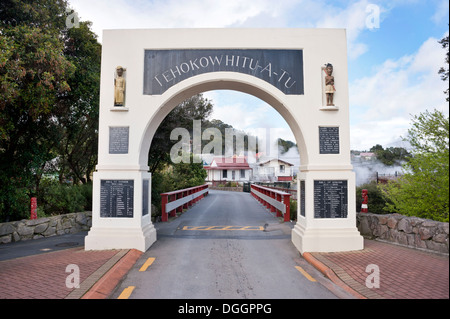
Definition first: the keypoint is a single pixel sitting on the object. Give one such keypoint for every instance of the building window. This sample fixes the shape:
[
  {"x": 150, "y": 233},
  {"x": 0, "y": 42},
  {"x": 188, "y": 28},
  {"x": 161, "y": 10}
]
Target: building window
[
  {"x": 224, "y": 173},
  {"x": 281, "y": 168},
  {"x": 233, "y": 174},
  {"x": 242, "y": 173}
]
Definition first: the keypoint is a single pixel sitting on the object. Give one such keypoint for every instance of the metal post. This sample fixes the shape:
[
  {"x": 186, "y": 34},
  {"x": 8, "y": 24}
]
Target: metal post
[
  {"x": 33, "y": 205},
  {"x": 287, "y": 203},
  {"x": 164, "y": 215}
]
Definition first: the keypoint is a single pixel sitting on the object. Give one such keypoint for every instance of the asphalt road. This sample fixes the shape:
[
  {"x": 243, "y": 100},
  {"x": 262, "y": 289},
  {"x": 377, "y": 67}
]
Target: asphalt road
[
  {"x": 41, "y": 246},
  {"x": 225, "y": 247}
]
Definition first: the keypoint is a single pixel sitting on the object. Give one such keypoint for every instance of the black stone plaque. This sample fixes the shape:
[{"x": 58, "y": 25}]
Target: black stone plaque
[
  {"x": 329, "y": 140},
  {"x": 330, "y": 199},
  {"x": 116, "y": 198},
  {"x": 302, "y": 198},
  {"x": 281, "y": 68},
  {"x": 118, "y": 140},
  {"x": 145, "y": 195}
]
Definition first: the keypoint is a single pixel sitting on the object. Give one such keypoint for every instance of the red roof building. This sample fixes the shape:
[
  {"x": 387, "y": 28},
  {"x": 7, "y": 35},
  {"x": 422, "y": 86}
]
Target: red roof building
[{"x": 232, "y": 168}]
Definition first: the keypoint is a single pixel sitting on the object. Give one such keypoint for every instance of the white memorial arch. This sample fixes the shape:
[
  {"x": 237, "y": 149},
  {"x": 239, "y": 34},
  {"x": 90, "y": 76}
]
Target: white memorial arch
[{"x": 146, "y": 73}]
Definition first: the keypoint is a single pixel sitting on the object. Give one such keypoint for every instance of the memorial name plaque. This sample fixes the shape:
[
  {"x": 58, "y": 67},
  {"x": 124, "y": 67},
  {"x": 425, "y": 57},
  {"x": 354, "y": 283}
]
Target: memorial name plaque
[
  {"x": 145, "y": 195},
  {"x": 330, "y": 199},
  {"x": 281, "y": 68},
  {"x": 118, "y": 140},
  {"x": 116, "y": 198},
  {"x": 302, "y": 198},
  {"x": 329, "y": 140}
]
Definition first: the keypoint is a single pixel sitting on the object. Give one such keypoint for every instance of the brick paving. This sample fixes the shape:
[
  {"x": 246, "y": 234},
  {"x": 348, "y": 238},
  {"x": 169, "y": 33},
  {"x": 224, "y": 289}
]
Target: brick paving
[
  {"x": 405, "y": 273},
  {"x": 44, "y": 276}
]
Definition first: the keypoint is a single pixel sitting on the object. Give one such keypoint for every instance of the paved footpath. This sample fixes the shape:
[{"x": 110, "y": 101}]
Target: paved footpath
[
  {"x": 44, "y": 276},
  {"x": 404, "y": 273}
]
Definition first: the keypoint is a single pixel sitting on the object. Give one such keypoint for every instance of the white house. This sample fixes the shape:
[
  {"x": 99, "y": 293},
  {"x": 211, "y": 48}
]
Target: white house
[
  {"x": 224, "y": 169},
  {"x": 273, "y": 170}
]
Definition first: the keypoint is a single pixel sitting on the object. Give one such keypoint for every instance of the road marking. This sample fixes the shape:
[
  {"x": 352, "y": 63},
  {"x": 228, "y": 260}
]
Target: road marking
[
  {"x": 308, "y": 276},
  {"x": 147, "y": 264},
  {"x": 126, "y": 293},
  {"x": 223, "y": 228}
]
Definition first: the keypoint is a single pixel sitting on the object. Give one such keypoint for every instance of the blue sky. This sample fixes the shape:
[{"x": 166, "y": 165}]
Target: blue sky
[{"x": 392, "y": 67}]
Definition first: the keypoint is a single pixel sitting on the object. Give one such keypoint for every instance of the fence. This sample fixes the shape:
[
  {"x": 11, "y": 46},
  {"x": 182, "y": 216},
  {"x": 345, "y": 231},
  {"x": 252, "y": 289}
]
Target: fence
[
  {"x": 277, "y": 201},
  {"x": 176, "y": 201},
  {"x": 281, "y": 186}
]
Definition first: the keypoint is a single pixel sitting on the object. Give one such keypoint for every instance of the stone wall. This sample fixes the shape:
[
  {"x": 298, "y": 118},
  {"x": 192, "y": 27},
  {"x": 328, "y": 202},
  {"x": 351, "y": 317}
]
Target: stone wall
[
  {"x": 44, "y": 227},
  {"x": 409, "y": 231}
]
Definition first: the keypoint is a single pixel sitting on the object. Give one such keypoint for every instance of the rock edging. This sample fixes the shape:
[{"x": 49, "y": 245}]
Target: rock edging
[
  {"x": 26, "y": 229},
  {"x": 404, "y": 230}
]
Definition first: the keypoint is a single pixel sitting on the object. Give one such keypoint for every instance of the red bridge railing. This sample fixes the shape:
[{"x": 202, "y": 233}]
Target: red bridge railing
[
  {"x": 277, "y": 201},
  {"x": 176, "y": 201}
]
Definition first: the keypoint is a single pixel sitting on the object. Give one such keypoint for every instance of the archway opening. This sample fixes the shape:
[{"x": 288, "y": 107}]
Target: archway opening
[
  {"x": 258, "y": 147},
  {"x": 266, "y": 160}
]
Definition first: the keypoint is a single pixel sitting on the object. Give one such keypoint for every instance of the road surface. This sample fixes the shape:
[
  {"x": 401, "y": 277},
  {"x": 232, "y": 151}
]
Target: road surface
[{"x": 227, "y": 246}]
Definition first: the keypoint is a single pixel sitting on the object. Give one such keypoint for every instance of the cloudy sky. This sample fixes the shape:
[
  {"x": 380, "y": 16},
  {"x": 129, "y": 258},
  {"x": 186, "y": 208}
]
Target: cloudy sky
[{"x": 393, "y": 58}]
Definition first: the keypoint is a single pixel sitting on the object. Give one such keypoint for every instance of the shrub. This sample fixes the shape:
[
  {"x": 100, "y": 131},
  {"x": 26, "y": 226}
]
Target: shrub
[
  {"x": 377, "y": 202},
  {"x": 19, "y": 208},
  {"x": 55, "y": 198},
  {"x": 293, "y": 209}
]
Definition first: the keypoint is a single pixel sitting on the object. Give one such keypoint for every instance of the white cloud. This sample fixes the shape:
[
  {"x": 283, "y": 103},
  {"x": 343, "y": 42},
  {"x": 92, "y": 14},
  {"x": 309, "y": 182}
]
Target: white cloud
[
  {"x": 243, "y": 111},
  {"x": 441, "y": 12},
  {"x": 382, "y": 103},
  {"x": 121, "y": 14},
  {"x": 386, "y": 132}
]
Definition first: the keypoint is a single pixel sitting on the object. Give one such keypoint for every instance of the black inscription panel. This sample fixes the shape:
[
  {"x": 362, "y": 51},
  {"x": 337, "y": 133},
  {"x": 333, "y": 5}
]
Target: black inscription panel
[
  {"x": 281, "y": 68},
  {"x": 118, "y": 140},
  {"x": 330, "y": 199},
  {"x": 329, "y": 140},
  {"x": 302, "y": 198},
  {"x": 116, "y": 198},
  {"x": 145, "y": 196}
]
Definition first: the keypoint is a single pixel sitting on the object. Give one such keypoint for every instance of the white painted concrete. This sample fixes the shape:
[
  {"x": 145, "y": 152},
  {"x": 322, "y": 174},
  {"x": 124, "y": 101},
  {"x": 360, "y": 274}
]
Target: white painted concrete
[{"x": 304, "y": 114}]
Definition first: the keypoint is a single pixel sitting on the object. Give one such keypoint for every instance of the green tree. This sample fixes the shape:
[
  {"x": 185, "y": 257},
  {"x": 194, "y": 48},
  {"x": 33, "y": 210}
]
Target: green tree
[
  {"x": 195, "y": 108},
  {"x": 187, "y": 175},
  {"x": 171, "y": 177},
  {"x": 285, "y": 145},
  {"x": 48, "y": 97},
  {"x": 423, "y": 190},
  {"x": 444, "y": 71},
  {"x": 391, "y": 155},
  {"x": 33, "y": 75},
  {"x": 377, "y": 148},
  {"x": 78, "y": 124}
]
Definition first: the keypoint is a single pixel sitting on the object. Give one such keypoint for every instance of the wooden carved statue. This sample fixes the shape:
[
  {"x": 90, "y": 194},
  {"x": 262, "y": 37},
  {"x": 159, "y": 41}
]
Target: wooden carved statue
[
  {"x": 119, "y": 87},
  {"x": 329, "y": 84}
]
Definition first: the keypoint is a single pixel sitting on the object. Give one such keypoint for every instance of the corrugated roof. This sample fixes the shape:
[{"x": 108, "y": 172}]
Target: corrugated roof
[{"x": 231, "y": 162}]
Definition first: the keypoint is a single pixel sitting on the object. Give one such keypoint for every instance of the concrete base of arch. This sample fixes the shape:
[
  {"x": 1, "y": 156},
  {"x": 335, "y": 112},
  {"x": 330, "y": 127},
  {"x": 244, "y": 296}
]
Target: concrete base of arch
[
  {"x": 326, "y": 240},
  {"x": 121, "y": 238},
  {"x": 130, "y": 232},
  {"x": 314, "y": 233}
]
